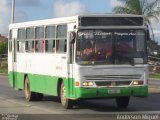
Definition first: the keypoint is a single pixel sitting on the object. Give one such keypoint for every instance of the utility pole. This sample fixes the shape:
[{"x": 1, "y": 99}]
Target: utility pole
[{"x": 13, "y": 8}]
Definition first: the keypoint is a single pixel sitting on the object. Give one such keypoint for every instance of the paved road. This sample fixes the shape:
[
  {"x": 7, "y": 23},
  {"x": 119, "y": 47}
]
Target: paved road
[{"x": 12, "y": 101}]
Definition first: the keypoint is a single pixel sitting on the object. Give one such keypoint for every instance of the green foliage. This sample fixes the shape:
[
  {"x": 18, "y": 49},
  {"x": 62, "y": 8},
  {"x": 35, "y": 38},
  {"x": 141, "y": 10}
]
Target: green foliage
[
  {"x": 149, "y": 8},
  {"x": 3, "y": 46},
  {"x": 129, "y": 7},
  {"x": 154, "y": 75}
]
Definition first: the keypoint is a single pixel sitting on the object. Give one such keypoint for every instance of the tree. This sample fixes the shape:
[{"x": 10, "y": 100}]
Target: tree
[
  {"x": 3, "y": 47},
  {"x": 149, "y": 8}
]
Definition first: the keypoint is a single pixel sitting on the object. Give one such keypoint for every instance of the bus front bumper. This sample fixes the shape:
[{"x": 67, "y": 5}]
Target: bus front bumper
[{"x": 87, "y": 93}]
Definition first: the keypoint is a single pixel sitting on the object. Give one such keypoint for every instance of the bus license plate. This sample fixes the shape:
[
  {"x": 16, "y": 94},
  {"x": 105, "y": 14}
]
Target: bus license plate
[{"x": 113, "y": 91}]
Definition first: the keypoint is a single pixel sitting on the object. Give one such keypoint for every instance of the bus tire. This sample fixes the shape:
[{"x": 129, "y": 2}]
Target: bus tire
[
  {"x": 65, "y": 102},
  {"x": 122, "y": 102},
  {"x": 29, "y": 95},
  {"x": 39, "y": 96}
]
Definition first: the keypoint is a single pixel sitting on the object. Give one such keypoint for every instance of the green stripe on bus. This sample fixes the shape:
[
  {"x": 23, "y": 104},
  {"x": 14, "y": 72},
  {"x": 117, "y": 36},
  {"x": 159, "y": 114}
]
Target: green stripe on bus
[
  {"x": 103, "y": 92},
  {"x": 38, "y": 83},
  {"x": 48, "y": 85}
]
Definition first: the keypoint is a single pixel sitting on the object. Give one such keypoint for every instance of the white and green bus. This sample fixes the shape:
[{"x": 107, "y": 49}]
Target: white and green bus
[{"x": 80, "y": 57}]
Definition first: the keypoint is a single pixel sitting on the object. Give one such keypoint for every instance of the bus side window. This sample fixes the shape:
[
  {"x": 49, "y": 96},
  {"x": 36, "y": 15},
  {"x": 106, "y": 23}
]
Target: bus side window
[
  {"x": 50, "y": 45},
  {"x": 50, "y": 36},
  {"x": 61, "y": 39},
  {"x": 21, "y": 40},
  {"x": 61, "y": 46},
  {"x": 39, "y": 46},
  {"x": 30, "y": 40},
  {"x": 39, "y": 43}
]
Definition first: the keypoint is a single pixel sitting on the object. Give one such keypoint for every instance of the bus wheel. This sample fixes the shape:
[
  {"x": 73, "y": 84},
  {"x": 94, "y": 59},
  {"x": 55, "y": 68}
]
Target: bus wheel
[
  {"x": 30, "y": 96},
  {"x": 122, "y": 102},
  {"x": 66, "y": 103},
  {"x": 39, "y": 96}
]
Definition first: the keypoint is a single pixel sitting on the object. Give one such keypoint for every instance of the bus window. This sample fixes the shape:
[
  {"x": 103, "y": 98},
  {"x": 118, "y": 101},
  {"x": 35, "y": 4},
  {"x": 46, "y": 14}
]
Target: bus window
[
  {"x": 39, "y": 34},
  {"x": 39, "y": 46},
  {"x": 50, "y": 45},
  {"x": 30, "y": 46},
  {"x": 61, "y": 42},
  {"x": 21, "y": 34},
  {"x": 50, "y": 32},
  {"x": 30, "y": 40},
  {"x": 21, "y": 40},
  {"x": 50, "y": 39},
  {"x": 20, "y": 46},
  {"x": 61, "y": 46}
]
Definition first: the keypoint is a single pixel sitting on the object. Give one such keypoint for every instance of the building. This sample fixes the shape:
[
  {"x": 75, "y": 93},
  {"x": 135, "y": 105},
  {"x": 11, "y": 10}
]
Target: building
[{"x": 2, "y": 38}]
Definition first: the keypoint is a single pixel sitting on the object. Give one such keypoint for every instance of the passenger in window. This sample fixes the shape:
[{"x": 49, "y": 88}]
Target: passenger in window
[
  {"x": 42, "y": 45},
  {"x": 88, "y": 52}
]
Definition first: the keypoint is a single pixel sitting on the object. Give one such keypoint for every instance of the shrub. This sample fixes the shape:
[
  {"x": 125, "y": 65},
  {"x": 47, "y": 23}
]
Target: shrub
[{"x": 3, "y": 47}]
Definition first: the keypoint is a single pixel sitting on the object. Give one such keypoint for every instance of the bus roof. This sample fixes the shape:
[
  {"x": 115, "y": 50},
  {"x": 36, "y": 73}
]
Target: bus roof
[
  {"x": 63, "y": 20},
  {"x": 110, "y": 15}
]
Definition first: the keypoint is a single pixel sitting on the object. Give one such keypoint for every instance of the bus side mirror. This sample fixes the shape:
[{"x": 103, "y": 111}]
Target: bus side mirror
[{"x": 72, "y": 37}]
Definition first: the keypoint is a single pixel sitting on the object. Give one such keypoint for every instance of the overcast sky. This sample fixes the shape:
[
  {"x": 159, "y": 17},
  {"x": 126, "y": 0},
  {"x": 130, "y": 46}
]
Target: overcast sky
[{"x": 28, "y": 10}]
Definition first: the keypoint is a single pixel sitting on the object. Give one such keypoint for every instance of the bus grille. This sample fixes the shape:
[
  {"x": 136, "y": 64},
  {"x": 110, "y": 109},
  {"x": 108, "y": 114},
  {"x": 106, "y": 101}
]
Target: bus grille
[
  {"x": 113, "y": 83},
  {"x": 113, "y": 80},
  {"x": 113, "y": 77}
]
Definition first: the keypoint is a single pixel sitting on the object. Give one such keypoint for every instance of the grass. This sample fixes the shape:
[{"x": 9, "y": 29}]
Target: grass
[
  {"x": 154, "y": 75},
  {"x": 4, "y": 67}
]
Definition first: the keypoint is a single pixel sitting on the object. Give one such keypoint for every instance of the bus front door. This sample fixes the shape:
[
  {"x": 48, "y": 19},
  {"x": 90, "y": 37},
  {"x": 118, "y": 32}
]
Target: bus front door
[{"x": 70, "y": 56}]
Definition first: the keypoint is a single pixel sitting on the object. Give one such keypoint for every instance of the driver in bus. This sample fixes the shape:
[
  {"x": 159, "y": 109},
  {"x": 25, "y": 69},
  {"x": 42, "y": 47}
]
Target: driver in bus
[{"x": 104, "y": 50}]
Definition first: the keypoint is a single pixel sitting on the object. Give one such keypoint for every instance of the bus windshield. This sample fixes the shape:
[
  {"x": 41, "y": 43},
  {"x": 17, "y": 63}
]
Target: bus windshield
[{"x": 111, "y": 47}]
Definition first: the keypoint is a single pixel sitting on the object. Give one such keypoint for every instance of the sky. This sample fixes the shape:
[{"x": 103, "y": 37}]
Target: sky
[{"x": 29, "y": 10}]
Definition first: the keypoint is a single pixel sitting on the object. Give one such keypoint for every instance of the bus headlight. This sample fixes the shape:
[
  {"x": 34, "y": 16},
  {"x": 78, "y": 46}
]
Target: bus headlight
[
  {"x": 85, "y": 84},
  {"x": 88, "y": 83},
  {"x": 137, "y": 82}
]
